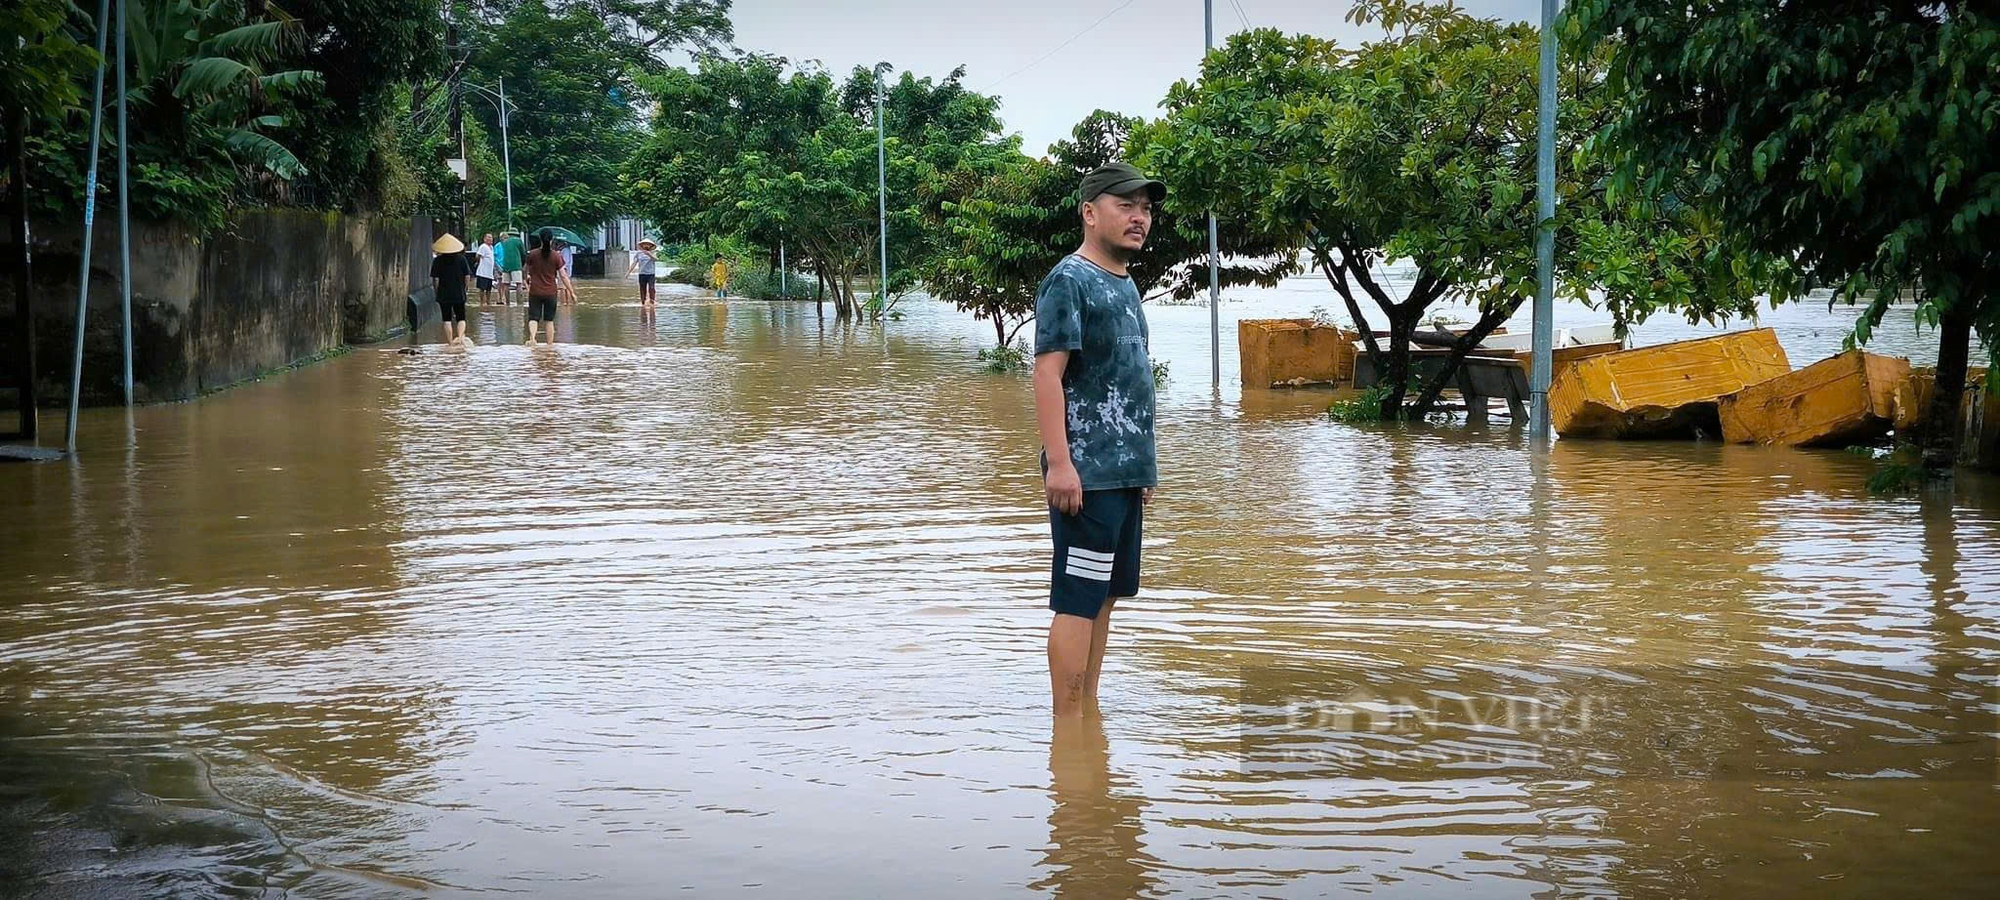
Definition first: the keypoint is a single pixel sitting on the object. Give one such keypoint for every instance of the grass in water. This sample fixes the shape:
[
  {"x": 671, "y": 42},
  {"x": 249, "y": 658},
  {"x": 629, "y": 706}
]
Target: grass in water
[
  {"x": 1000, "y": 360},
  {"x": 1363, "y": 407}
]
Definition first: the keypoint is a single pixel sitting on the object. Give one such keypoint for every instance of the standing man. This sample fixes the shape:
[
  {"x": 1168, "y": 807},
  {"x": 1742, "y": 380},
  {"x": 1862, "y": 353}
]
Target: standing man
[
  {"x": 1094, "y": 409},
  {"x": 544, "y": 267},
  {"x": 486, "y": 270},
  {"x": 510, "y": 259}
]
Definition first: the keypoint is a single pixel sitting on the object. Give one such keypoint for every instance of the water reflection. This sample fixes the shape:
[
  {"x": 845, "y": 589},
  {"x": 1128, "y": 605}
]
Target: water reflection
[{"x": 1096, "y": 844}]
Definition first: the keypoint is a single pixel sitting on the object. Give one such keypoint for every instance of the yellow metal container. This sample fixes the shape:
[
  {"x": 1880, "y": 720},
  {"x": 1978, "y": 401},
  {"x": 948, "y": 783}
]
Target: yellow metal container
[
  {"x": 1293, "y": 351},
  {"x": 1850, "y": 398},
  {"x": 1669, "y": 390}
]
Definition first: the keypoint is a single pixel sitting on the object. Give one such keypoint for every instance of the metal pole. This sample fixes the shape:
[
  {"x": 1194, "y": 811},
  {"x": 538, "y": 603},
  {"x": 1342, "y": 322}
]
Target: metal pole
[
  {"x": 882, "y": 189},
  {"x": 1214, "y": 248},
  {"x": 1543, "y": 360},
  {"x": 784, "y": 284},
  {"x": 89, "y": 219},
  {"x": 124, "y": 207},
  {"x": 24, "y": 310},
  {"x": 454, "y": 51},
  {"x": 506, "y": 156}
]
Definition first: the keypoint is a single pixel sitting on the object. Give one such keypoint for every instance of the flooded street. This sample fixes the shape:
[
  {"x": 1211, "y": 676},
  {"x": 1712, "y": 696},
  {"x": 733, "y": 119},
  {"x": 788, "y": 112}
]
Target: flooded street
[{"x": 740, "y": 602}]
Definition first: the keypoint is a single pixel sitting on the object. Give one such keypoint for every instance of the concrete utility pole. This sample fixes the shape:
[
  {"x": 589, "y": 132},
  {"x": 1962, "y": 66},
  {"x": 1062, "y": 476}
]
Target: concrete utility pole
[
  {"x": 89, "y": 225},
  {"x": 1543, "y": 359},
  {"x": 1214, "y": 249},
  {"x": 882, "y": 184}
]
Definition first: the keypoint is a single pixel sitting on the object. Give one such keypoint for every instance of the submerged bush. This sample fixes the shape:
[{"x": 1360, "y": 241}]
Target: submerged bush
[{"x": 1014, "y": 358}]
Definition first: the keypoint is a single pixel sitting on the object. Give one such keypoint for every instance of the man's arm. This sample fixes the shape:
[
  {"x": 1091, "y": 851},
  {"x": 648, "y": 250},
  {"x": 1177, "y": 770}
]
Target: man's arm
[{"x": 1062, "y": 485}]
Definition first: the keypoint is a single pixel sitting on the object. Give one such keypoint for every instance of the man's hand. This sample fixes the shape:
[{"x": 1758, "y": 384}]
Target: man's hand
[
  {"x": 1146, "y": 497},
  {"x": 1065, "y": 489}
]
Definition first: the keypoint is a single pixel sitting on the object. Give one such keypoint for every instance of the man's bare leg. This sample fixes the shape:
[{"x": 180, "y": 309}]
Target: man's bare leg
[
  {"x": 531, "y": 331},
  {"x": 1100, "y": 631},
  {"x": 1069, "y": 663}
]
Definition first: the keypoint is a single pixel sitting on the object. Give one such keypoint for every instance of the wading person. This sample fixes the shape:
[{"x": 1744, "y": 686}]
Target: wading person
[
  {"x": 509, "y": 258},
  {"x": 544, "y": 267},
  {"x": 486, "y": 270},
  {"x": 568, "y": 286},
  {"x": 643, "y": 262},
  {"x": 450, "y": 270},
  {"x": 1094, "y": 409},
  {"x": 718, "y": 276}
]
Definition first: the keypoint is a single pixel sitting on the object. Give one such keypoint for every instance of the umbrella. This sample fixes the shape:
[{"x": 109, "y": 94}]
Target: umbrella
[{"x": 566, "y": 236}]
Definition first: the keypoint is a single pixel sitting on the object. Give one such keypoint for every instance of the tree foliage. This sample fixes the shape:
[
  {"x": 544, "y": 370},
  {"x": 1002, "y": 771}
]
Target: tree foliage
[
  {"x": 1420, "y": 146},
  {"x": 1008, "y": 229},
  {"x": 748, "y": 145},
  {"x": 573, "y": 121},
  {"x": 349, "y": 132},
  {"x": 1855, "y": 137}
]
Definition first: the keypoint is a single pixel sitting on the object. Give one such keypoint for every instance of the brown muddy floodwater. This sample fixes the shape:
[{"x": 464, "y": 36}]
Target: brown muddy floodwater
[{"x": 740, "y": 603}]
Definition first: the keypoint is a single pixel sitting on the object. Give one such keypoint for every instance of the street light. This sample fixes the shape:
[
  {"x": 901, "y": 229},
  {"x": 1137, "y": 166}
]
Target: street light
[
  {"x": 1543, "y": 348},
  {"x": 882, "y": 184},
  {"x": 500, "y": 106},
  {"x": 1214, "y": 254}
]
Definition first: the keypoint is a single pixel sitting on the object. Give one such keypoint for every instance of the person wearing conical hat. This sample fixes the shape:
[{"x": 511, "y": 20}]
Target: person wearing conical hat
[
  {"x": 450, "y": 269},
  {"x": 644, "y": 263}
]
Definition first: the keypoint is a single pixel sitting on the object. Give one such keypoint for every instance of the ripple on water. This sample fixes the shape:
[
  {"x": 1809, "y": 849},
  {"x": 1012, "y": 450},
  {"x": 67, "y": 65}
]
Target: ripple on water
[{"x": 732, "y": 597}]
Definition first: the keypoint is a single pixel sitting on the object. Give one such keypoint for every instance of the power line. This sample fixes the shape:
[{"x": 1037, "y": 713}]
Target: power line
[
  {"x": 1240, "y": 15},
  {"x": 1059, "y": 47}
]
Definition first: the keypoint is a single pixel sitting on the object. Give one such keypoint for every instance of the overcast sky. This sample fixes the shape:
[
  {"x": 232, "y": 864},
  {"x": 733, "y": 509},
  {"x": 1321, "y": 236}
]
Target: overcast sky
[{"x": 1124, "y": 64}]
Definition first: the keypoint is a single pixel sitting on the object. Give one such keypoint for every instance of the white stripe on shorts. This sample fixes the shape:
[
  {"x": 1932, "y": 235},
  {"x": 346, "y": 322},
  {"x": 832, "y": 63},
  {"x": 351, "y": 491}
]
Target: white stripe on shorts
[
  {"x": 1083, "y": 562},
  {"x": 1089, "y": 574},
  {"x": 1092, "y": 555}
]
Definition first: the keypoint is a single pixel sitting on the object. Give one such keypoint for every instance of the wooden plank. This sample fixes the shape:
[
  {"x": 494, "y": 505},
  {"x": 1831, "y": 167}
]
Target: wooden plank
[
  {"x": 1668, "y": 390},
  {"x": 1846, "y": 399}
]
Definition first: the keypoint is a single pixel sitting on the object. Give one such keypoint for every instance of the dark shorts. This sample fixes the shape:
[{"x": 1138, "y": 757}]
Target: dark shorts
[
  {"x": 1097, "y": 551},
  {"x": 454, "y": 310},
  {"x": 645, "y": 281},
  {"x": 541, "y": 309},
  {"x": 485, "y": 283}
]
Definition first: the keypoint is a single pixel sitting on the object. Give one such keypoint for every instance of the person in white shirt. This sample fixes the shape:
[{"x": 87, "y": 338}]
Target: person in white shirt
[
  {"x": 569, "y": 274},
  {"x": 486, "y": 269}
]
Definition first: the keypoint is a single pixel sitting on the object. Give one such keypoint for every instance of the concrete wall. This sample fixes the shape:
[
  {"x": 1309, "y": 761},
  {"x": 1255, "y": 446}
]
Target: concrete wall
[{"x": 273, "y": 289}]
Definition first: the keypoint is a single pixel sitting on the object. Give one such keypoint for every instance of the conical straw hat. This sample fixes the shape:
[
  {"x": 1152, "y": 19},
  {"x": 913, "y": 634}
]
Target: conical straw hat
[
  {"x": 447, "y": 244},
  {"x": 647, "y": 243}
]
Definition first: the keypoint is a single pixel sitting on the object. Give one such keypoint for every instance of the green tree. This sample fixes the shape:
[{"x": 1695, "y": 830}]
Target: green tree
[
  {"x": 1010, "y": 228},
  {"x": 1419, "y": 146},
  {"x": 1856, "y": 137},
  {"x": 44, "y": 62},
  {"x": 349, "y": 134},
  {"x": 747, "y": 146},
  {"x": 574, "y": 123}
]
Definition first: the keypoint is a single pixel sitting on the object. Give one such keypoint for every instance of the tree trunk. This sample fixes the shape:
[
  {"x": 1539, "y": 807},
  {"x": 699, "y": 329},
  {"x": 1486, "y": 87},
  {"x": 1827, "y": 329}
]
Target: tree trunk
[
  {"x": 1942, "y": 428},
  {"x": 1397, "y": 374},
  {"x": 999, "y": 324},
  {"x": 819, "y": 298},
  {"x": 1460, "y": 349}
]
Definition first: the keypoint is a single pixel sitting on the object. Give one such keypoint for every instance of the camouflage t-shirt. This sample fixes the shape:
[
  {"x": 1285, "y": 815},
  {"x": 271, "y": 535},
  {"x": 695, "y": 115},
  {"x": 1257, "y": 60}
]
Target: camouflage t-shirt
[{"x": 1108, "y": 384}]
